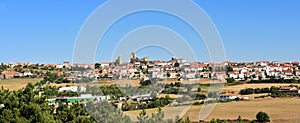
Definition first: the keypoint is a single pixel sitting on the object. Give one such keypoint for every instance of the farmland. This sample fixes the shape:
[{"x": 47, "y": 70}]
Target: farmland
[
  {"x": 237, "y": 88},
  {"x": 279, "y": 109},
  {"x": 17, "y": 83}
]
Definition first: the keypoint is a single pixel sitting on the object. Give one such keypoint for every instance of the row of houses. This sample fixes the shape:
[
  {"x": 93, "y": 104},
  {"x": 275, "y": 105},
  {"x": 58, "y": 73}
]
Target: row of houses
[
  {"x": 178, "y": 68},
  {"x": 13, "y": 74}
]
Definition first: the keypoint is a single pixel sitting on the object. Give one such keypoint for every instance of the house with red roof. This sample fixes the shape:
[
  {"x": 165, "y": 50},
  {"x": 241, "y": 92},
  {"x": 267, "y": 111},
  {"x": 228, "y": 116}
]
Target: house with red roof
[
  {"x": 10, "y": 74},
  {"x": 289, "y": 90}
]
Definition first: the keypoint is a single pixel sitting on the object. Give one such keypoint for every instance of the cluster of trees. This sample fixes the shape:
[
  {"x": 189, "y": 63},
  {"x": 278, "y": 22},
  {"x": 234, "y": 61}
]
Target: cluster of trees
[
  {"x": 276, "y": 93},
  {"x": 104, "y": 112},
  {"x": 230, "y": 80},
  {"x": 3, "y": 67},
  {"x": 26, "y": 106},
  {"x": 200, "y": 97},
  {"x": 159, "y": 118},
  {"x": 120, "y": 91},
  {"x": 273, "y": 90},
  {"x": 257, "y": 90},
  {"x": 183, "y": 99},
  {"x": 106, "y": 90},
  {"x": 51, "y": 77},
  {"x": 170, "y": 91},
  {"x": 273, "y": 80},
  {"x": 154, "y": 103},
  {"x": 171, "y": 85},
  {"x": 176, "y": 85},
  {"x": 146, "y": 82}
]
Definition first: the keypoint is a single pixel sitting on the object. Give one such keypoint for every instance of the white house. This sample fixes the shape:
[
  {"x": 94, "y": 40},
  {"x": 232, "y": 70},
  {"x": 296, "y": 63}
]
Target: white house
[
  {"x": 72, "y": 89},
  {"x": 59, "y": 66},
  {"x": 28, "y": 74},
  {"x": 231, "y": 96},
  {"x": 104, "y": 64}
]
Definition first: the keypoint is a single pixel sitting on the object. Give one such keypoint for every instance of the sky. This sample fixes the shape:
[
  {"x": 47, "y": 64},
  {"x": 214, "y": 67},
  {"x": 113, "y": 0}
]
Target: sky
[{"x": 45, "y": 31}]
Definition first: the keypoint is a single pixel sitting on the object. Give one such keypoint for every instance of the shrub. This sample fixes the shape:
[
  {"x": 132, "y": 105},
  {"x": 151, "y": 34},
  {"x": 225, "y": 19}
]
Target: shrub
[{"x": 262, "y": 117}]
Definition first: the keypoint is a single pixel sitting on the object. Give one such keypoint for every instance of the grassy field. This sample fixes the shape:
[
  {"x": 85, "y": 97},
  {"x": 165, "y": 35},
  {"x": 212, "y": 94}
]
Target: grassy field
[
  {"x": 280, "y": 110},
  {"x": 237, "y": 88},
  {"x": 15, "y": 84}
]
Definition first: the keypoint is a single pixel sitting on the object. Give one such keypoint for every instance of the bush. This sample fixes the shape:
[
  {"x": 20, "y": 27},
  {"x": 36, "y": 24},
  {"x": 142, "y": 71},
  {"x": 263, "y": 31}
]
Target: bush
[
  {"x": 262, "y": 117},
  {"x": 198, "y": 103},
  {"x": 200, "y": 97},
  {"x": 230, "y": 80},
  {"x": 171, "y": 91},
  {"x": 145, "y": 83}
]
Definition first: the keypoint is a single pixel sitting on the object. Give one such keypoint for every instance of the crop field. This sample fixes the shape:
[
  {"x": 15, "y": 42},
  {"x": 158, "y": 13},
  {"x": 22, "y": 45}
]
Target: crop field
[
  {"x": 237, "y": 88},
  {"x": 15, "y": 84},
  {"x": 280, "y": 110}
]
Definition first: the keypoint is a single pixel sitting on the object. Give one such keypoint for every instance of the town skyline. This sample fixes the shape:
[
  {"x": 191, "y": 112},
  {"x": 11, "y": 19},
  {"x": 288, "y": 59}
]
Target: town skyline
[{"x": 150, "y": 61}]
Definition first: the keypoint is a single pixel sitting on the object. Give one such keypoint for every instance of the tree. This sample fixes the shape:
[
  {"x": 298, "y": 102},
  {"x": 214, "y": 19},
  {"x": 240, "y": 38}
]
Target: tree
[
  {"x": 159, "y": 115},
  {"x": 230, "y": 80},
  {"x": 229, "y": 69},
  {"x": 145, "y": 82},
  {"x": 142, "y": 116},
  {"x": 168, "y": 75},
  {"x": 97, "y": 65},
  {"x": 199, "y": 89},
  {"x": 213, "y": 120},
  {"x": 262, "y": 117},
  {"x": 186, "y": 120},
  {"x": 176, "y": 64},
  {"x": 240, "y": 120}
]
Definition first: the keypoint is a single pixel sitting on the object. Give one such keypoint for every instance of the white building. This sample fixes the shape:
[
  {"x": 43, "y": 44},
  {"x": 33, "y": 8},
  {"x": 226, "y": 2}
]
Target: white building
[
  {"x": 72, "y": 89},
  {"x": 231, "y": 96}
]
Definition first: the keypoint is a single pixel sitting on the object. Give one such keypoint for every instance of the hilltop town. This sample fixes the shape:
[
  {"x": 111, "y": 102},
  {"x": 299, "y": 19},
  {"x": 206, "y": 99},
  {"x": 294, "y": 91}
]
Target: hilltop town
[
  {"x": 141, "y": 84},
  {"x": 174, "y": 68}
]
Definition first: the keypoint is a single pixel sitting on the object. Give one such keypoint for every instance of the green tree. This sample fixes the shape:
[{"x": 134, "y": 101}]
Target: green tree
[
  {"x": 240, "y": 120},
  {"x": 176, "y": 64},
  {"x": 142, "y": 116},
  {"x": 229, "y": 69},
  {"x": 230, "y": 80},
  {"x": 168, "y": 75},
  {"x": 262, "y": 117},
  {"x": 199, "y": 89},
  {"x": 213, "y": 121},
  {"x": 97, "y": 65}
]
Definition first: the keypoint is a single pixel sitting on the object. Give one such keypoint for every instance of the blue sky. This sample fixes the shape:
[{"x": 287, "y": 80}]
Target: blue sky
[{"x": 45, "y": 31}]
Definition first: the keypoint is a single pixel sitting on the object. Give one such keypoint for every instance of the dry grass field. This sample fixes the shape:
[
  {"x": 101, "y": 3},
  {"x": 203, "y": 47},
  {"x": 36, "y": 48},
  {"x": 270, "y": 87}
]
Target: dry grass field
[
  {"x": 237, "y": 88},
  {"x": 280, "y": 110},
  {"x": 15, "y": 84}
]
